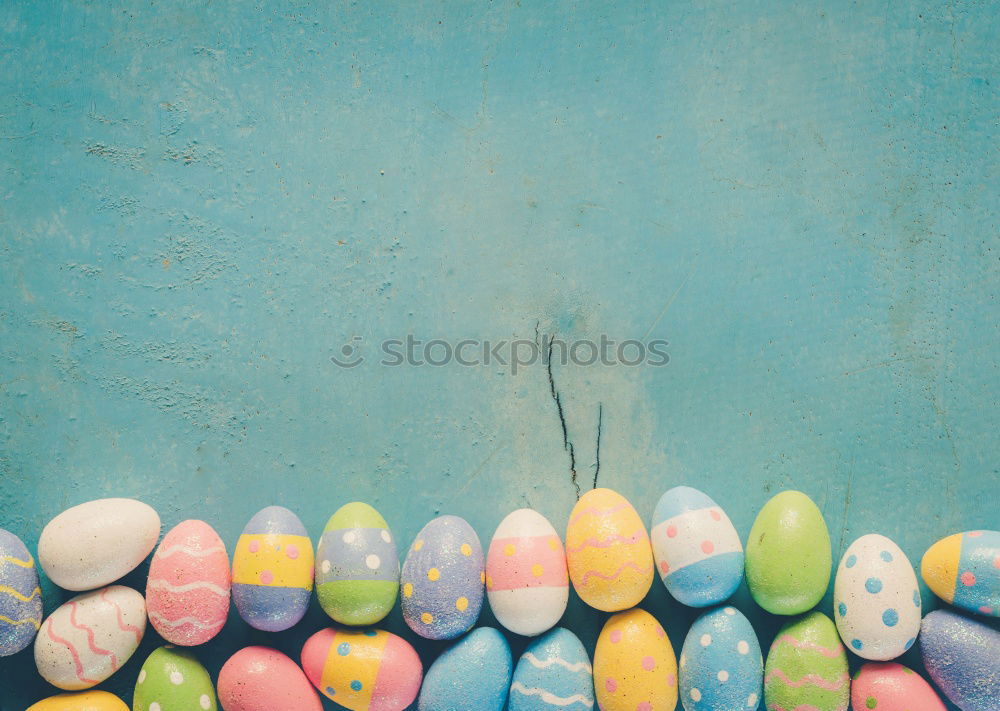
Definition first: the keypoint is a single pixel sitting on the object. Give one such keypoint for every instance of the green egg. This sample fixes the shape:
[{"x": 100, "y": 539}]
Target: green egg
[
  {"x": 172, "y": 679},
  {"x": 357, "y": 566},
  {"x": 788, "y": 556},
  {"x": 807, "y": 667}
]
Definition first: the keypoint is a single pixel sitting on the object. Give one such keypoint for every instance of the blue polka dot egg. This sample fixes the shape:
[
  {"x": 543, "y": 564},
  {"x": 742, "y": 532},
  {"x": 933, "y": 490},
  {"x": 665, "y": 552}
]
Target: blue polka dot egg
[
  {"x": 721, "y": 666},
  {"x": 443, "y": 579},
  {"x": 876, "y": 600}
]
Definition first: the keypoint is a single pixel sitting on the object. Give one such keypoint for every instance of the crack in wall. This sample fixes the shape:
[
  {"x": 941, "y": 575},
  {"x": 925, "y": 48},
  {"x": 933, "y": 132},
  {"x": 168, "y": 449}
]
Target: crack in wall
[
  {"x": 554, "y": 392},
  {"x": 597, "y": 449}
]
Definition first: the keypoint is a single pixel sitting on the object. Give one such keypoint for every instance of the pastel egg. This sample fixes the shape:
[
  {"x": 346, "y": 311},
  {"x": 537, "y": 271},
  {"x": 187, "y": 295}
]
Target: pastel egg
[
  {"x": 172, "y": 679},
  {"x": 90, "y": 637},
  {"x": 81, "y": 701},
  {"x": 473, "y": 674},
  {"x": 187, "y": 592},
  {"x": 526, "y": 579},
  {"x": 962, "y": 656},
  {"x": 264, "y": 679},
  {"x": 443, "y": 577},
  {"x": 20, "y": 596},
  {"x": 608, "y": 552},
  {"x": 273, "y": 570},
  {"x": 553, "y": 674},
  {"x": 363, "y": 669},
  {"x": 888, "y": 686},
  {"x": 696, "y": 548},
  {"x": 721, "y": 667},
  {"x": 876, "y": 600},
  {"x": 807, "y": 667},
  {"x": 96, "y": 543},
  {"x": 964, "y": 569},
  {"x": 357, "y": 567},
  {"x": 788, "y": 555},
  {"x": 634, "y": 664}
]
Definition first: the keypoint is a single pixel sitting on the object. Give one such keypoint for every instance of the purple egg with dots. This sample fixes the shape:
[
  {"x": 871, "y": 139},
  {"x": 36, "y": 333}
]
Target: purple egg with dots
[
  {"x": 962, "y": 656},
  {"x": 876, "y": 600}
]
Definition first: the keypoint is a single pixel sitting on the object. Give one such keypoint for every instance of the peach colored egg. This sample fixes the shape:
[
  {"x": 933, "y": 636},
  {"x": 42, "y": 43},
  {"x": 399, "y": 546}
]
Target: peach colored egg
[
  {"x": 888, "y": 686},
  {"x": 264, "y": 679}
]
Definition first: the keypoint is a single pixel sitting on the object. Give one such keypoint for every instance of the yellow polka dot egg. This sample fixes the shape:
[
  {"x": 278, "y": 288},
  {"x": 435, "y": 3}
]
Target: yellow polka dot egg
[{"x": 634, "y": 665}]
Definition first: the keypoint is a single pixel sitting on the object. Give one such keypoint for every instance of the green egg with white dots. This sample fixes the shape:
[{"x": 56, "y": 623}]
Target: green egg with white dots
[{"x": 172, "y": 679}]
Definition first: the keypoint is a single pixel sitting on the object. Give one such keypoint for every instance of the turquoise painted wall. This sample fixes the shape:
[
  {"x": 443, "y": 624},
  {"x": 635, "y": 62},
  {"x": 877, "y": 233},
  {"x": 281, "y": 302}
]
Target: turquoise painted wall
[{"x": 201, "y": 203}]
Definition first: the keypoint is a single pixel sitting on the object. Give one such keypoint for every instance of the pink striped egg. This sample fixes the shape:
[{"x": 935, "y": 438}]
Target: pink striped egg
[
  {"x": 90, "y": 637},
  {"x": 187, "y": 594}
]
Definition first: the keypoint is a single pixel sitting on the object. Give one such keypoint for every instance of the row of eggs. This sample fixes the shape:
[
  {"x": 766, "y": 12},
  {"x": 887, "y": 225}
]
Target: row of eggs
[{"x": 634, "y": 669}]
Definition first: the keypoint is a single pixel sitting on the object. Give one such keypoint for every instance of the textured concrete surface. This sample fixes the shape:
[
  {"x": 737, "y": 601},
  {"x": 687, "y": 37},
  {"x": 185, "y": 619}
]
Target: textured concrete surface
[{"x": 201, "y": 203}]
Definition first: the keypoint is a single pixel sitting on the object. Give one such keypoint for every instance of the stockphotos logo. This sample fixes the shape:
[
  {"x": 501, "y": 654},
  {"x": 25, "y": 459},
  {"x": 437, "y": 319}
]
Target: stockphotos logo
[{"x": 513, "y": 355}]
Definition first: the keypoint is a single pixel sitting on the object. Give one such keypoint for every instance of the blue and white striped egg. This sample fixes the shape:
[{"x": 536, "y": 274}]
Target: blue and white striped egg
[
  {"x": 20, "y": 596},
  {"x": 721, "y": 667},
  {"x": 553, "y": 674},
  {"x": 697, "y": 550},
  {"x": 472, "y": 674}
]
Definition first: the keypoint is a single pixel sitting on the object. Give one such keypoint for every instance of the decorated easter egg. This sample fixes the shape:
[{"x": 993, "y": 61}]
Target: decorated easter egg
[
  {"x": 721, "y": 667},
  {"x": 363, "y": 669},
  {"x": 526, "y": 579},
  {"x": 696, "y": 548},
  {"x": 807, "y": 667},
  {"x": 888, "y": 686},
  {"x": 81, "y": 701},
  {"x": 964, "y": 569},
  {"x": 90, "y": 637},
  {"x": 634, "y": 664},
  {"x": 93, "y": 544},
  {"x": 273, "y": 570},
  {"x": 357, "y": 567},
  {"x": 876, "y": 600},
  {"x": 788, "y": 557},
  {"x": 607, "y": 551},
  {"x": 20, "y": 596},
  {"x": 473, "y": 674},
  {"x": 962, "y": 656},
  {"x": 172, "y": 679},
  {"x": 443, "y": 577},
  {"x": 187, "y": 592},
  {"x": 553, "y": 674},
  {"x": 264, "y": 679}
]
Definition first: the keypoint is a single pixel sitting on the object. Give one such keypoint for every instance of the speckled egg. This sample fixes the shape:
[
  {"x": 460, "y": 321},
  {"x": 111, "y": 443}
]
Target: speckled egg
[
  {"x": 696, "y": 548},
  {"x": 964, "y": 569},
  {"x": 788, "y": 555},
  {"x": 172, "y": 679},
  {"x": 962, "y": 656},
  {"x": 363, "y": 669},
  {"x": 20, "y": 596},
  {"x": 526, "y": 579},
  {"x": 357, "y": 567},
  {"x": 807, "y": 667},
  {"x": 553, "y": 674},
  {"x": 634, "y": 664},
  {"x": 721, "y": 667},
  {"x": 888, "y": 686},
  {"x": 90, "y": 637},
  {"x": 264, "y": 679},
  {"x": 273, "y": 570},
  {"x": 608, "y": 552},
  {"x": 473, "y": 674},
  {"x": 876, "y": 600},
  {"x": 81, "y": 701},
  {"x": 188, "y": 589},
  {"x": 443, "y": 578}
]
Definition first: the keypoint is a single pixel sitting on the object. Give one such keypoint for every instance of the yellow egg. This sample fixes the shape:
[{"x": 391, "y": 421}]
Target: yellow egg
[
  {"x": 82, "y": 701},
  {"x": 608, "y": 552},
  {"x": 634, "y": 665}
]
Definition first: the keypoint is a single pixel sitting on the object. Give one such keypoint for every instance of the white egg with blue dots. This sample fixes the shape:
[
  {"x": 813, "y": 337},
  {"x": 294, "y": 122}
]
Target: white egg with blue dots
[{"x": 876, "y": 600}]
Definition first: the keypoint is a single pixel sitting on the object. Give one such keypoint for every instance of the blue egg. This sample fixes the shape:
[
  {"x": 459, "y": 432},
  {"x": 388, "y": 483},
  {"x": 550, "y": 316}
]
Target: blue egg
[
  {"x": 472, "y": 674},
  {"x": 698, "y": 552},
  {"x": 721, "y": 667},
  {"x": 443, "y": 579},
  {"x": 20, "y": 596},
  {"x": 553, "y": 674},
  {"x": 962, "y": 656}
]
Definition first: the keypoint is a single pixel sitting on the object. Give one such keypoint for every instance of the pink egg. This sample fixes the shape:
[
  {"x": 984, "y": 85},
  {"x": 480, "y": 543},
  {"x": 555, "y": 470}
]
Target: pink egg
[
  {"x": 264, "y": 679},
  {"x": 187, "y": 594},
  {"x": 888, "y": 686}
]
